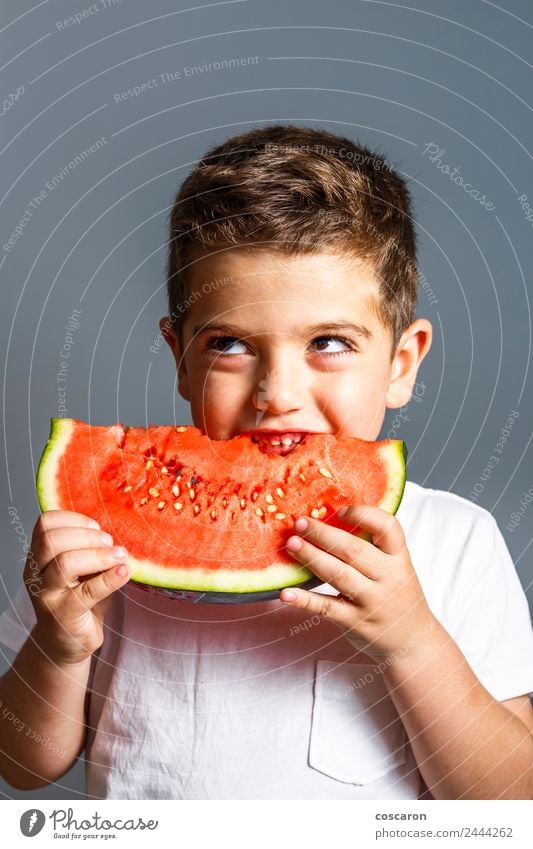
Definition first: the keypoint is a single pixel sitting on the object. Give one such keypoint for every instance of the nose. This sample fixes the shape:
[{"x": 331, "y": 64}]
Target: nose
[{"x": 280, "y": 390}]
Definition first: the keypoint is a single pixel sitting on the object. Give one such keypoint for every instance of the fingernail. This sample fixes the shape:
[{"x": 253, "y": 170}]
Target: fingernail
[
  {"x": 300, "y": 524},
  {"x": 288, "y": 595},
  {"x": 119, "y": 552},
  {"x": 342, "y": 511},
  {"x": 107, "y": 539},
  {"x": 294, "y": 543},
  {"x": 122, "y": 570},
  {"x": 94, "y": 524}
]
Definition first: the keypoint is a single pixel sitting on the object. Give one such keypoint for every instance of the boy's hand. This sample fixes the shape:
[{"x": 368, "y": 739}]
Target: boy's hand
[
  {"x": 382, "y": 606},
  {"x": 70, "y": 572}
]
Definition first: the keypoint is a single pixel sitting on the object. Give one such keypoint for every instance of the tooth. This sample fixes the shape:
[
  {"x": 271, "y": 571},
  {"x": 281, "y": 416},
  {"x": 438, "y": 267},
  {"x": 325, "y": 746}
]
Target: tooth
[
  {"x": 287, "y": 440},
  {"x": 275, "y": 442}
]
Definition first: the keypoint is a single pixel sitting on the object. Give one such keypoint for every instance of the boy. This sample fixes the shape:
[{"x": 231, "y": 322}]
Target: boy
[{"x": 406, "y": 673}]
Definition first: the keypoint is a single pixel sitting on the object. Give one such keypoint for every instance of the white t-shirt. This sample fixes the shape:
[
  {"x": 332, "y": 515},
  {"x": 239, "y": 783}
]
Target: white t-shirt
[{"x": 261, "y": 701}]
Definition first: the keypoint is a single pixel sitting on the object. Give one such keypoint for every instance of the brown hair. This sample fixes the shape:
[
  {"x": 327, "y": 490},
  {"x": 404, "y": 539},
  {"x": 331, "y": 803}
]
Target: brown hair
[{"x": 297, "y": 190}]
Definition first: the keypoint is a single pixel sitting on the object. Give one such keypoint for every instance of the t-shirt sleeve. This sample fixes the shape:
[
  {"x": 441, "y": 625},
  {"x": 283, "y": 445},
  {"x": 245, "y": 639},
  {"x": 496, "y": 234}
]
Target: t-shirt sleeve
[
  {"x": 491, "y": 621},
  {"x": 17, "y": 620}
]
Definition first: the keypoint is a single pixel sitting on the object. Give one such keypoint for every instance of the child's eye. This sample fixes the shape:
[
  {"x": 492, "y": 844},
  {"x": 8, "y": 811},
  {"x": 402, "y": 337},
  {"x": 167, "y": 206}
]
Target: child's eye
[
  {"x": 213, "y": 343},
  {"x": 342, "y": 340},
  {"x": 220, "y": 344}
]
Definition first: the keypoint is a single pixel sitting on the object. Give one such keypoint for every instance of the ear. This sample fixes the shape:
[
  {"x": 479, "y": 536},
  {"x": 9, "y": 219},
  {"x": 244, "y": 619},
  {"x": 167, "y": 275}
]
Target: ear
[
  {"x": 411, "y": 350},
  {"x": 172, "y": 339}
]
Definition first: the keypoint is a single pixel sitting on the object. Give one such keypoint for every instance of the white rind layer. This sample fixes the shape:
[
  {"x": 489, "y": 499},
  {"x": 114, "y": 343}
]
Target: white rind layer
[
  {"x": 61, "y": 431},
  {"x": 273, "y": 577},
  {"x": 394, "y": 462}
]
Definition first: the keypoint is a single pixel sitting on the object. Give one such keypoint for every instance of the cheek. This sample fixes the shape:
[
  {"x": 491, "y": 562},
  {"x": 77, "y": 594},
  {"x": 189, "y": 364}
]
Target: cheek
[
  {"x": 355, "y": 402},
  {"x": 217, "y": 398},
  {"x": 219, "y": 385},
  {"x": 347, "y": 387}
]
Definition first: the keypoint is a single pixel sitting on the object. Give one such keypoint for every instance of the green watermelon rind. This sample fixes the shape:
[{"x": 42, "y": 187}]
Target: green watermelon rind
[
  {"x": 61, "y": 431},
  {"x": 274, "y": 577},
  {"x": 394, "y": 452}
]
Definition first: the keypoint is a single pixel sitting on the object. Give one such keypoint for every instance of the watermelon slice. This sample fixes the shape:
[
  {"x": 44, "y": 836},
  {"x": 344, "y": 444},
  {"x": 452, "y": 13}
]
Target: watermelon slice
[{"x": 205, "y": 519}]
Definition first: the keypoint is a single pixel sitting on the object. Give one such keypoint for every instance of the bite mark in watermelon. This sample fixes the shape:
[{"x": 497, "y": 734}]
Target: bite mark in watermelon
[{"x": 211, "y": 515}]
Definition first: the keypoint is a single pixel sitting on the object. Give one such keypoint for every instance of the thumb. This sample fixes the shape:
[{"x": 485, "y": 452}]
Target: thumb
[
  {"x": 98, "y": 589},
  {"x": 338, "y": 608}
]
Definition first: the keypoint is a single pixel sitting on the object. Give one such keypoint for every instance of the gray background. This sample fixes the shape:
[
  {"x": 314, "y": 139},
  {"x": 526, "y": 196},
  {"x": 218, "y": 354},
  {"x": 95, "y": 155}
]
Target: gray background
[{"x": 397, "y": 78}]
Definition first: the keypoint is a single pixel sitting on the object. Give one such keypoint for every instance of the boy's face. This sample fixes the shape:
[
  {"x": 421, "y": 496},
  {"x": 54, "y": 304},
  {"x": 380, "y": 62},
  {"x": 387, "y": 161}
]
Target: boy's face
[{"x": 270, "y": 358}]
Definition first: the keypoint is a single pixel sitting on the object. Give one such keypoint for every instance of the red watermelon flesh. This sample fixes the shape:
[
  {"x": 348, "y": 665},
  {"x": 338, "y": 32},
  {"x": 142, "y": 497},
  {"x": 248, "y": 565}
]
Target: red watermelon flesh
[{"x": 211, "y": 515}]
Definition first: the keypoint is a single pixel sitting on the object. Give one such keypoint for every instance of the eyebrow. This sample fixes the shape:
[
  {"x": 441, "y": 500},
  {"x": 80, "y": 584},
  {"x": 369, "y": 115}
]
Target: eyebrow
[{"x": 233, "y": 330}]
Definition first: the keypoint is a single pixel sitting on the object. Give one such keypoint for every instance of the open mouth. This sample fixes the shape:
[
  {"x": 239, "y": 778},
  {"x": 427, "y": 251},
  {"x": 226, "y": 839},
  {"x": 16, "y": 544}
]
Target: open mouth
[{"x": 278, "y": 442}]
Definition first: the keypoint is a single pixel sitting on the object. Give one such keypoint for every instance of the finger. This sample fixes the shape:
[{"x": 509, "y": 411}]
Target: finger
[
  {"x": 330, "y": 607},
  {"x": 386, "y": 532},
  {"x": 61, "y": 518},
  {"x": 99, "y": 588},
  {"x": 69, "y": 567},
  {"x": 54, "y": 542},
  {"x": 342, "y": 544},
  {"x": 332, "y": 570}
]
